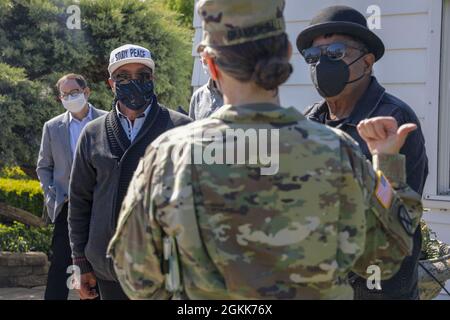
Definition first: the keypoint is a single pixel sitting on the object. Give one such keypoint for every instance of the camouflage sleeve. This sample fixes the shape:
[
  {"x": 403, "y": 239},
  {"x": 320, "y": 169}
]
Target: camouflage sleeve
[
  {"x": 393, "y": 210},
  {"x": 136, "y": 247}
]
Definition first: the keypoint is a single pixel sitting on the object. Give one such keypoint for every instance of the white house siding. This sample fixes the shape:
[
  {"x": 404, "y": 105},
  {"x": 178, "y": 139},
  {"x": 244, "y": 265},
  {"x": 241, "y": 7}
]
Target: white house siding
[{"x": 411, "y": 31}]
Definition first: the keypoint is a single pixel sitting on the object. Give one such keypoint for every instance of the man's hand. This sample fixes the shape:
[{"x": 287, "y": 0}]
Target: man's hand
[
  {"x": 88, "y": 282},
  {"x": 383, "y": 136}
]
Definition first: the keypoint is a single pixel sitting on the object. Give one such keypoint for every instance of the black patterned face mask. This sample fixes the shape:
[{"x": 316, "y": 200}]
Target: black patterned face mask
[{"x": 135, "y": 94}]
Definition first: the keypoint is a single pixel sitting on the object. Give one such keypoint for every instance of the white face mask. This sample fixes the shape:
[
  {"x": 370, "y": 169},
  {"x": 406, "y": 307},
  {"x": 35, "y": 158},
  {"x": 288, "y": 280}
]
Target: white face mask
[{"x": 74, "y": 104}]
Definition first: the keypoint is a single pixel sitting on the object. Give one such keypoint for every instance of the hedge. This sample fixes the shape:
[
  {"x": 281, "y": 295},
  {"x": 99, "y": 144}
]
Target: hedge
[
  {"x": 37, "y": 48},
  {"x": 20, "y": 238},
  {"x": 13, "y": 173},
  {"x": 24, "y": 107},
  {"x": 430, "y": 244},
  {"x": 23, "y": 194}
]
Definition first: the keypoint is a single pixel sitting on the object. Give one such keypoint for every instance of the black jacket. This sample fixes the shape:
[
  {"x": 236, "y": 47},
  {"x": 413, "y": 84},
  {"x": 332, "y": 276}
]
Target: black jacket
[
  {"x": 104, "y": 164},
  {"x": 377, "y": 102}
]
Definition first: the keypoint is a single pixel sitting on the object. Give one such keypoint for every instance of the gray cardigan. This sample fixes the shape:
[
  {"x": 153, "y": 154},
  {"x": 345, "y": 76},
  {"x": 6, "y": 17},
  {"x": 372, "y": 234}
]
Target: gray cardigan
[{"x": 97, "y": 180}]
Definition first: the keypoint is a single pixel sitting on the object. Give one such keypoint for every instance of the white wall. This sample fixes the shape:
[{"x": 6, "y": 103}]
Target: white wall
[
  {"x": 405, "y": 38},
  {"x": 411, "y": 31}
]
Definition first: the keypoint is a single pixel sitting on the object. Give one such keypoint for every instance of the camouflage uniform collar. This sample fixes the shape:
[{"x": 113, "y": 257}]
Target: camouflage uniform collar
[{"x": 258, "y": 113}]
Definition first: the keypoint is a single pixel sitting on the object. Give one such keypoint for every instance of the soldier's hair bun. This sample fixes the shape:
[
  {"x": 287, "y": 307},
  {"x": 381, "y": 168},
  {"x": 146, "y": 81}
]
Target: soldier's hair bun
[
  {"x": 263, "y": 61},
  {"x": 271, "y": 73}
]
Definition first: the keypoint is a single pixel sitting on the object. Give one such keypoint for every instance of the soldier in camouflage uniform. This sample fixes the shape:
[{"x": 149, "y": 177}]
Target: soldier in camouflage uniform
[{"x": 234, "y": 233}]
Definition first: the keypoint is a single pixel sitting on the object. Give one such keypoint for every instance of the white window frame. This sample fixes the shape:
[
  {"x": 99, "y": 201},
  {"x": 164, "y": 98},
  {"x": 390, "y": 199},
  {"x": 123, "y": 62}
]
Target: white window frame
[
  {"x": 444, "y": 109},
  {"x": 436, "y": 126}
]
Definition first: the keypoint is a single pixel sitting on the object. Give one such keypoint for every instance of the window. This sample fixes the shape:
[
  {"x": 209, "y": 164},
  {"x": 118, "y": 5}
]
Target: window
[{"x": 444, "y": 106}]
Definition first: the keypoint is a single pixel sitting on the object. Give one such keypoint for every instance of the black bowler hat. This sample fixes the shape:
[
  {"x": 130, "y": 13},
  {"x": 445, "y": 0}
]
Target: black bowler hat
[{"x": 344, "y": 20}]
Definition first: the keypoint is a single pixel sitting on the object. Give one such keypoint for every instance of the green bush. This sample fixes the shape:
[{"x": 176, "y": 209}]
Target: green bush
[
  {"x": 37, "y": 48},
  {"x": 23, "y": 194},
  {"x": 430, "y": 243},
  {"x": 20, "y": 238},
  {"x": 107, "y": 24},
  {"x": 24, "y": 107},
  {"x": 13, "y": 173},
  {"x": 185, "y": 8}
]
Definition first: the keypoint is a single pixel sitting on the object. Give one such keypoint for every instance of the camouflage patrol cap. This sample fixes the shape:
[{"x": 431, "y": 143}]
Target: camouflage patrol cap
[{"x": 230, "y": 22}]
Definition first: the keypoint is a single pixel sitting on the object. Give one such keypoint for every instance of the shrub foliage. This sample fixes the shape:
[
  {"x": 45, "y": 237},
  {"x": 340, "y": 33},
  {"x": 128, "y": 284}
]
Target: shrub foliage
[{"x": 38, "y": 48}]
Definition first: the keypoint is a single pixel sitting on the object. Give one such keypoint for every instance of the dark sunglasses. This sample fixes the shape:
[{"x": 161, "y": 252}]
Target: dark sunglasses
[
  {"x": 334, "y": 51},
  {"x": 125, "y": 78}
]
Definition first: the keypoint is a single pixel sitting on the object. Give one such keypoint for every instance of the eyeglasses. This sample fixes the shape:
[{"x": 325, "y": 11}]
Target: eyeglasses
[
  {"x": 334, "y": 51},
  {"x": 125, "y": 78},
  {"x": 71, "y": 94}
]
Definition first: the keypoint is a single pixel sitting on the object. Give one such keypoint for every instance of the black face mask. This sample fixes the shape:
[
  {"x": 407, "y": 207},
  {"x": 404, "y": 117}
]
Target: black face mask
[
  {"x": 331, "y": 77},
  {"x": 135, "y": 94}
]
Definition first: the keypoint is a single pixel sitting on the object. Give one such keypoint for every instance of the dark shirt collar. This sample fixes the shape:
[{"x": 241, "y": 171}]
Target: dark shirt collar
[
  {"x": 364, "y": 108},
  {"x": 142, "y": 115}
]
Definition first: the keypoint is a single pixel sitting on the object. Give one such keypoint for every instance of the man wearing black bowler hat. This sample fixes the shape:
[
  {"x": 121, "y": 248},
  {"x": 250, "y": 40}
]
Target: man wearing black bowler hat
[{"x": 341, "y": 51}]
